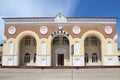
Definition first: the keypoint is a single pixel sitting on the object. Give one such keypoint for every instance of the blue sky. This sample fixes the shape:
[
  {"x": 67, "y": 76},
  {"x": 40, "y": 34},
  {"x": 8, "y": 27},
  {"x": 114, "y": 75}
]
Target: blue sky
[{"x": 73, "y": 8}]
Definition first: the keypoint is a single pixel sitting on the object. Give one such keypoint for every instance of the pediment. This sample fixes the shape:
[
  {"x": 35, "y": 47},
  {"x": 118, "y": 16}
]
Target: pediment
[{"x": 60, "y": 18}]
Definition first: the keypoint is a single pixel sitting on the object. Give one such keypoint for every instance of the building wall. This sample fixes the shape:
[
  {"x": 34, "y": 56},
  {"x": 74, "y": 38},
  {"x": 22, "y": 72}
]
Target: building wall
[
  {"x": 52, "y": 27},
  {"x": 87, "y": 29},
  {"x": 48, "y": 41}
]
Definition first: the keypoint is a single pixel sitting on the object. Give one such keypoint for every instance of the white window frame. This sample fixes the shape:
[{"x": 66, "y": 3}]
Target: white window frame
[
  {"x": 11, "y": 47},
  {"x": 109, "y": 47},
  {"x": 43, "y": 47},
  {"x": 76, "y": 48}
]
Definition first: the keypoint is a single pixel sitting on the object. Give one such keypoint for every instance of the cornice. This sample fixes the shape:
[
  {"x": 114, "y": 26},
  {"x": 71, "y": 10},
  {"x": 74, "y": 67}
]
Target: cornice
[{"x": 60, "y": 19}]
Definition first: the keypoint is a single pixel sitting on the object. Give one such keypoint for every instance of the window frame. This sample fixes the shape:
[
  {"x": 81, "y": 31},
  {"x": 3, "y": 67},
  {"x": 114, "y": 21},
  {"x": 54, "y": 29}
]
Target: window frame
[
  {"x": 56, "y": 41},
  {"x": 86, "y": 42},
  {"x": 93, "y": 41},
  {"x": 26, "y": 58},
  {"x": 94, "y": 58},
  {"x": 27, "y": 41},
  {"x": 65, "y": 41}
]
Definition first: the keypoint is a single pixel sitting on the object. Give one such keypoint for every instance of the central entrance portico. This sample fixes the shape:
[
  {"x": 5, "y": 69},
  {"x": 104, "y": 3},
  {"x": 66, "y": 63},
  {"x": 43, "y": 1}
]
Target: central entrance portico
[{"x": 60, "y": 51}]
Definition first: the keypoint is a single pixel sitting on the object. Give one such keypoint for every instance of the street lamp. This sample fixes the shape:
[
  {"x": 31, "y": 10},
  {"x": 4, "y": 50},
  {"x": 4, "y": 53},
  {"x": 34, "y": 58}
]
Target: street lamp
[{"x": 72, "y": 52}]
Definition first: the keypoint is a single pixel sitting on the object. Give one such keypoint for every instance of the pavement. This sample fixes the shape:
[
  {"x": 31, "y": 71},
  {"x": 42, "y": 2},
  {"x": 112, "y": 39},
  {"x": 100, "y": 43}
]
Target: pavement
[{"x": 59, "y": 74}]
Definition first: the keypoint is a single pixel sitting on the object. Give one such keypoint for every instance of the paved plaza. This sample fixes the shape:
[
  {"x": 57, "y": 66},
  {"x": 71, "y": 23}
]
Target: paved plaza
[{"x": 60, "y": 74}]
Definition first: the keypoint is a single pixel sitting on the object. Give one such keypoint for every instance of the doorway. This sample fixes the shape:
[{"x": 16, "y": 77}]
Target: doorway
[
  {"x": 59, "y": 46},
  {"x": 60, "y": 59}
]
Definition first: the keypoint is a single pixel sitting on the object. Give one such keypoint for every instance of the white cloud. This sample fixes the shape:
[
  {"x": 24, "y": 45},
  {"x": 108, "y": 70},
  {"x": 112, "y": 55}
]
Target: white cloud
[
  {"x": 36, "y": 8},
  {"x": 31, "y": 8}
]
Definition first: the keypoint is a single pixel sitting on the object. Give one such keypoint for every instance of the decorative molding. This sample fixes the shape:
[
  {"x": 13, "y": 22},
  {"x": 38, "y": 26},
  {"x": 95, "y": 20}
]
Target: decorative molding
[
  {"x": 59, "y": 19},
  {"x": 10, "y": 55},
  {"x": 60, "y": 51},
  {"x": 82, "y": 22},
  {"x": 11, "y": 30},
  {"x": 112, "y": 55},
  {"x": 43, "y": 55},
  {"x": 43, "y": 30},
  {"x": 60, "y": 27},
  {"x": 76, "y": 30},
  {"x": 108, "y": 29}
]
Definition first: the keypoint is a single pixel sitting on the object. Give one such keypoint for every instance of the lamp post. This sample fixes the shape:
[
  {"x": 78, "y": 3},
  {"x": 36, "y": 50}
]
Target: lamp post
[{"x": 72, "y": 52}]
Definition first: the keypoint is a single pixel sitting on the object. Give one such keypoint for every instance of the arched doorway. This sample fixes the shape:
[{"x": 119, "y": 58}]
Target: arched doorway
[
  {"x": 27, "y": 51},
  {"x": 92, "y": 47},
  {"x": 60, "y": 51}
]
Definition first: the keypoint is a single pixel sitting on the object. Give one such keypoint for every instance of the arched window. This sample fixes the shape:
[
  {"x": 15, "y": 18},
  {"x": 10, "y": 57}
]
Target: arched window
[
  {"x": 56, "y": 41},
  {"x": 27, "y": 58},
  {"x": 43, "y": 47},
  {"x": 109, "y": 47},
  {"x": 10, "y": 47},
  {"x": 34, "y": 58},
  {"x": 86, "y": 58},
  {"x": 27, "y": 41},
  {"x": 119, "y": 58},
  {"x": 94, "y": 57},
  {"x": 77, "y": 47},
  {"x": 65, "y": 41}
]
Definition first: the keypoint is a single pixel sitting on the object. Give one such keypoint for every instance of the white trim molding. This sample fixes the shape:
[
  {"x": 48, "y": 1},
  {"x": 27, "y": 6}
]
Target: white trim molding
[{"x": 59, "y": 19}]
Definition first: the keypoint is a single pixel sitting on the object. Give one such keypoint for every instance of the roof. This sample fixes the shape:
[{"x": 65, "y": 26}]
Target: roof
[
  {"x": 54, "y": 17},
  {"x": 59, "y": 18}
]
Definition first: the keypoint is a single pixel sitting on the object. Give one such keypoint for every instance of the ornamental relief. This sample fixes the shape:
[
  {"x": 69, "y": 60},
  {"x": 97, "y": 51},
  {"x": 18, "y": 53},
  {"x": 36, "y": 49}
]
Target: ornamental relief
[{"x": 60, "y": 50}]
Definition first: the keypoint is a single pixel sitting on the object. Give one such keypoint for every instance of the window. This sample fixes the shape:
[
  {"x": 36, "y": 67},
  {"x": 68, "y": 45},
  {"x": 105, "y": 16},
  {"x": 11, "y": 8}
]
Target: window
[
  {"x": 43, "y": 47},
  {"x": 86, "y": 58},
  {"x": 10, "y": 47},
  {"x": 94, "y": 41},
  {"x": 94, "y": 58},
  {"x": 65, "y": 41},
  {"x": 27, "y": 58},
  {"x": 119, "y": 58},
  {"x": 86, "y": 42},
  {"x": 27, "y": 41},
  {"x": 56, "y": 41},
  {"x": 76, "y": 47},
  {"x": 34, "y": 58},
  {"x": 109, "y": 47}
]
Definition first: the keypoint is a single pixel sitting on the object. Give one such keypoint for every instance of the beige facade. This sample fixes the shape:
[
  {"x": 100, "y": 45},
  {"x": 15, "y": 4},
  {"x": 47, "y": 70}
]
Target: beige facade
[{"x": 47, "y": 41}]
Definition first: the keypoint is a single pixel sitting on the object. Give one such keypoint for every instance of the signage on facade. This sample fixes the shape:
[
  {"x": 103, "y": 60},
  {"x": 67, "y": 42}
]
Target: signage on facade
[{"x": 59, "y": 31}]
